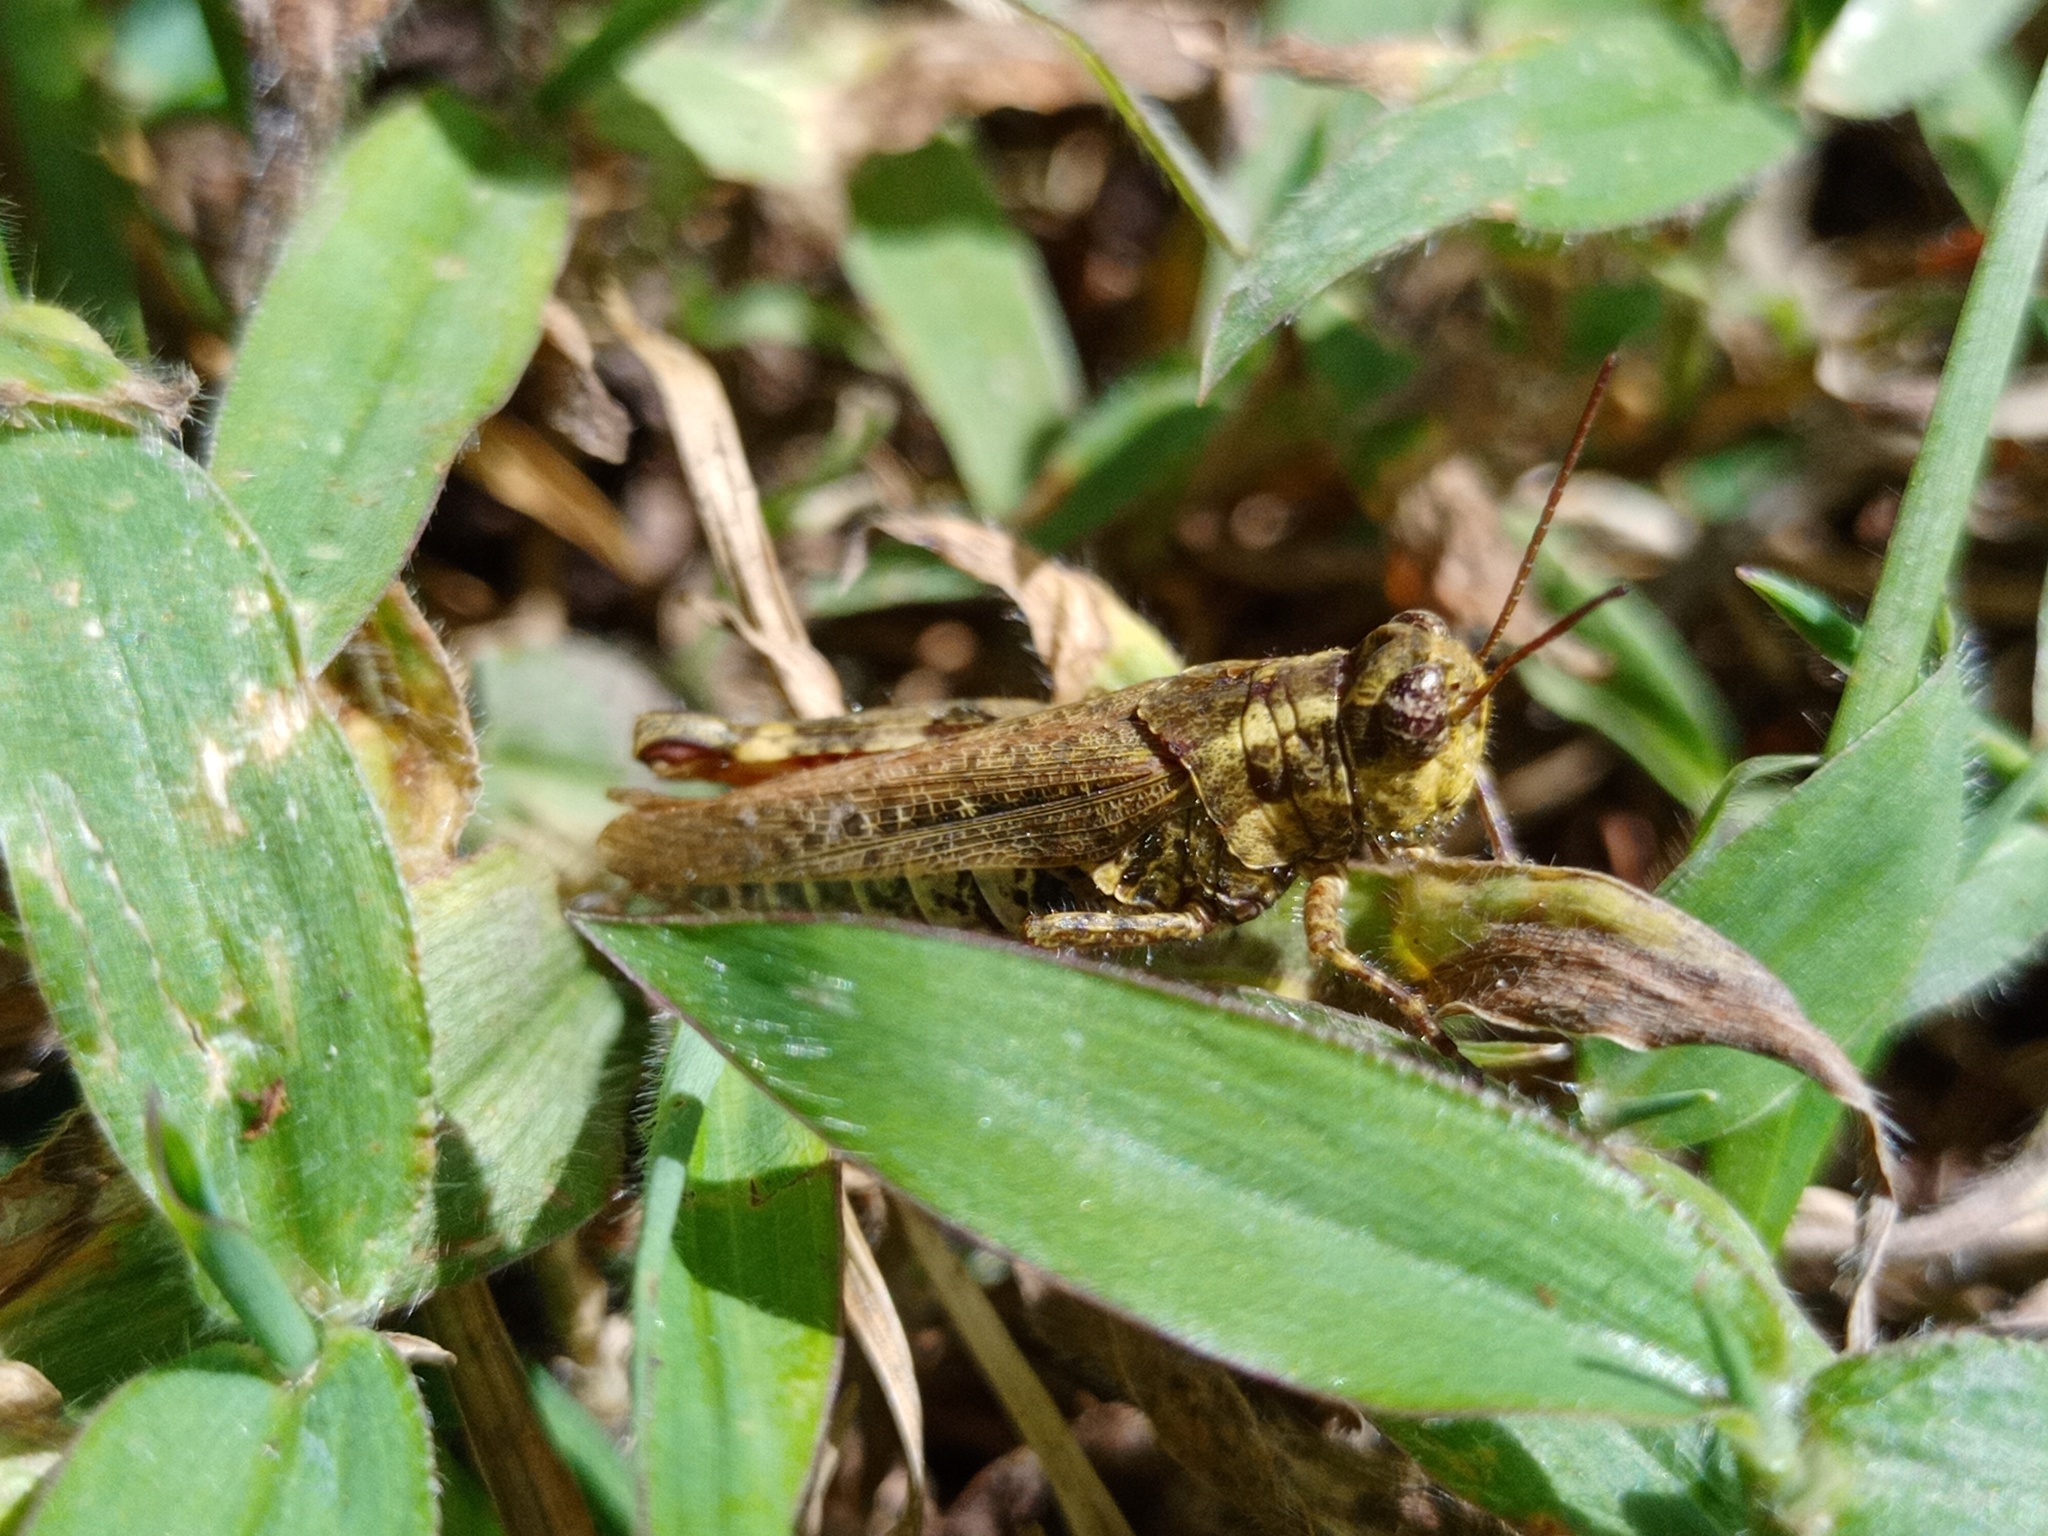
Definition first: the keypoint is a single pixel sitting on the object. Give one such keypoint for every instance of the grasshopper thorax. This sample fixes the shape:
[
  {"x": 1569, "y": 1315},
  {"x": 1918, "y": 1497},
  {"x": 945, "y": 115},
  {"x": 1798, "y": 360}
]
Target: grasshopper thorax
[{"x": 1414, "y": 754}]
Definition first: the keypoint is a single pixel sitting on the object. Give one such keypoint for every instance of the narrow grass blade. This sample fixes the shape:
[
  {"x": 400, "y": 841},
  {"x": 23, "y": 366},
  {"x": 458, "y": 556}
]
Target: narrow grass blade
[
  {"x": 1936, "y": 506},
  {"x": 1159, "y": 134},
  {"x": 402, "y": 311},
  {"x": 735, "y": 1303},
  {"x": 626, "y": 25},
  {"x": 226, "y": 1252},
  {"x": 69, "y": 243},
  {"x": 343, "y": 1452},
  {"x": 1175, "y": 1156},
  {"x": 210, "y": 903}
]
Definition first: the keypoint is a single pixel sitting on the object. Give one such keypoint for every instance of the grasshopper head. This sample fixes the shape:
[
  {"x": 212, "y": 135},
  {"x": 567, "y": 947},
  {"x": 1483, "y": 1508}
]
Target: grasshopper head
[{"x": 1414, "y": 753}]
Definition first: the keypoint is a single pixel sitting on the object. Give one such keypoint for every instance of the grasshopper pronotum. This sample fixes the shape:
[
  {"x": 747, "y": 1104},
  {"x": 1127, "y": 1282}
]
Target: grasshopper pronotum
[{"x": 1155, "y": 813}]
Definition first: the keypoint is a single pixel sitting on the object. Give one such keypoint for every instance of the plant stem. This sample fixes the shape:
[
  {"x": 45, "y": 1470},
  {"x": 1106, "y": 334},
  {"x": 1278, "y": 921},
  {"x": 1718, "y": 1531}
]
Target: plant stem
[
  {"x": 533, "y": 1490},
  {"x": 1936, "y": 506}
]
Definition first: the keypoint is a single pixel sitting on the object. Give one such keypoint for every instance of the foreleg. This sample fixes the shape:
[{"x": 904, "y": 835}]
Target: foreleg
[{"x": 1322, "y": 914}]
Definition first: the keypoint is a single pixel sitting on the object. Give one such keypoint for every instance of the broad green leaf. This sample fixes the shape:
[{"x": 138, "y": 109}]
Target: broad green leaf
[
  {"x": 1972, "y": 126},
  {"x": 1139, "y": 440},
  {"x": 1589, "y": 1476},
  {"x": 55, "y": 370},
  {"x": 1174, "y": 1156},
  {"x": 403, "y": 309},
  {"x": 162, "y": 60},
  {"x": 95, "y": 1285},
  {"x": 752, "y": 115},
  {"x": 69, "y": 203},
  {"x": 1623, "y": 122},
  {"x": 735, "y": 1303},
  {"x": 963, "y": 301},
  {"x": 210, "y": 903},
  {"x": 1996, "y": 919},
  {"x": 1934, "y": 510},
  {"x": 1837, "y": 889},
  {"x": 1882, "y": 56},
  {"x": 1944, "y": 1435},
  {"x": 532, "y": 1064},
  {"x": 213, "y": 1444},
  {"x": 1657, "y": 704}
]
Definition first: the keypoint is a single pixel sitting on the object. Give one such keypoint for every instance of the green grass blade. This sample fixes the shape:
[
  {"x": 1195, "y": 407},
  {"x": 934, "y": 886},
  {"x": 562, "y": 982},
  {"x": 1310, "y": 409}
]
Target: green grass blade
[
  {"x": 1619, "y": 123},
  {"x": 588, "y": 1450},
  {"x": 964, "y": 303},
  {"x": 1273, "y": 1198},
  {"x": 735, "y": 1303},
  {"x": 212, "y": 1444},
  {"x": 209, "y": 899},
  {"x": 1159, "y": 135},
  {"x": 1936, "y": 506},
  {"x": 626, "y": 25},
  {"x": 403, "y": 309},
  {"x": 226, "y": 1251},
  {"x": 1882, "y": 56},
  {"x": 70, "y": 245},
  {"x": 1837, "y": 889}
]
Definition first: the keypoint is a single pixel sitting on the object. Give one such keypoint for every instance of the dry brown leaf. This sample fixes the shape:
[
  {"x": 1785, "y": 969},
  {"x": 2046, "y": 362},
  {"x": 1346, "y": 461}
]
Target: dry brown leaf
[
  {"x": 707, "y": 440},
  {"x": 872, "y": 1320},
  {"x": 1396, "y": 70},
  {"x": 1087, "y": 636},
  {"x": 944, "y": 68},
  {"x": 394, "y": 692},
  {"x": 561, "y": 389},
  {"x": 70, "y": 1210},
  {"x": 529, "y": 474}
]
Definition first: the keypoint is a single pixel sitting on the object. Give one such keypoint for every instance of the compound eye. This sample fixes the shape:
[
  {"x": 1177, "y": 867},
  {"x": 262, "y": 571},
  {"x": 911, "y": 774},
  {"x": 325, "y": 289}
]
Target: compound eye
[{"x": 1413, "y": 712}]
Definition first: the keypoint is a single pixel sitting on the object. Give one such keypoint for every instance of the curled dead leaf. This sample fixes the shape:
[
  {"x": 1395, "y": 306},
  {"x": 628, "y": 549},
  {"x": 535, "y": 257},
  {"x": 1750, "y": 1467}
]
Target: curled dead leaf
[
  {"x": 529, "y": 474},
  {"x": 1089, "y": 638},
  {"x": 393, "y": 690},
  {"x": 707, "y": 440},
  {"x": 1574, "y": 953}
]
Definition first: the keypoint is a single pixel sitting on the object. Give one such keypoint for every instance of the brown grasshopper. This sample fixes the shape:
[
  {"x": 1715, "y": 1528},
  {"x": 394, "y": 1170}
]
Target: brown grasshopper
[{"x": 1156, "y": 813}]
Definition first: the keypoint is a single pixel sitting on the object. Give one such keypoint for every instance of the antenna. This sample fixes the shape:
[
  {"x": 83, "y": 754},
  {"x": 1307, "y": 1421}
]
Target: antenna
[
  {"x": 1522, "y": 653},
  {"x": 1564, "y": 475}
]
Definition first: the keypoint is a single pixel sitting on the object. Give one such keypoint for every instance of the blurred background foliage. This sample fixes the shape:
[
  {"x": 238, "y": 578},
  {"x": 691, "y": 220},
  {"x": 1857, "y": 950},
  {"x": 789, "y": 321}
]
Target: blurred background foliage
[{"x": 1026, "y": 266}]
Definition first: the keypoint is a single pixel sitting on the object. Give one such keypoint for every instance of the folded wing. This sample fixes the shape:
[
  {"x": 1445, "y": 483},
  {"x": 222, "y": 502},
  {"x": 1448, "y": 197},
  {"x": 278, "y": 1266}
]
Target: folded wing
[{"x": 1064, "y": 786}]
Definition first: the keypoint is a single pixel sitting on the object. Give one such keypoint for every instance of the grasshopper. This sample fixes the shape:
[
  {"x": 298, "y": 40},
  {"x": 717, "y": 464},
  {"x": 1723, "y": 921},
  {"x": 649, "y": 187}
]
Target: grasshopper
[{"x": 1156, "y": 813}]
